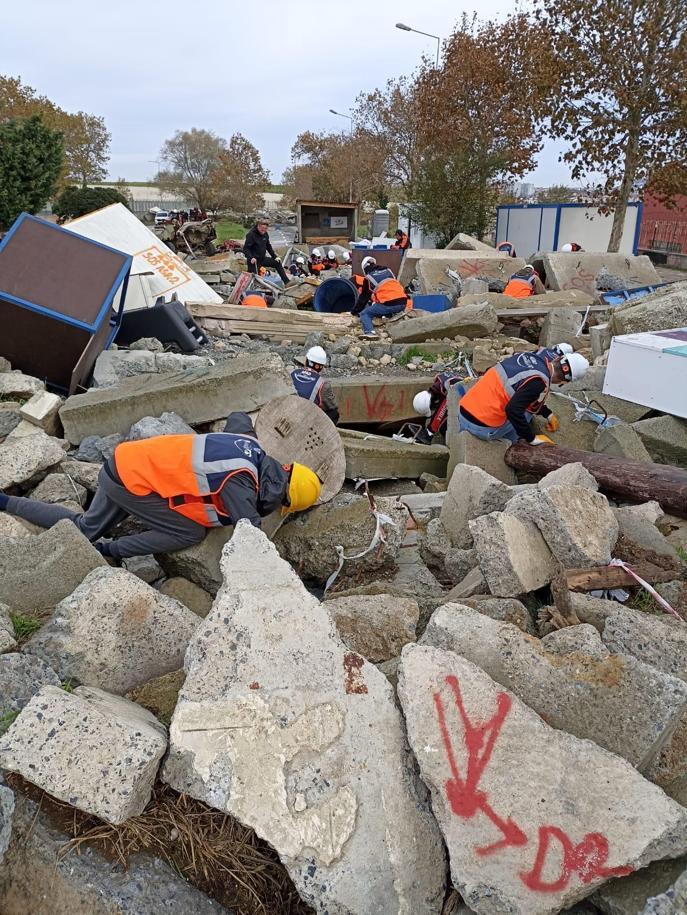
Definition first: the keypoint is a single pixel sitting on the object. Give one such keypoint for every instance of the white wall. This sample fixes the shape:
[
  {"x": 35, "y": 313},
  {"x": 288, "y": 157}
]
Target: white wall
[{"x": 532, "y": 228}]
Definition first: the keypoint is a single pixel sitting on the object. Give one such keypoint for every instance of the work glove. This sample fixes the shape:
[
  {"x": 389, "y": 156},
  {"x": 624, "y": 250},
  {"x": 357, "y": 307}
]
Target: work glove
[
  {"x": 541, "y": 440},
  {"x": 553, "y": 424}
]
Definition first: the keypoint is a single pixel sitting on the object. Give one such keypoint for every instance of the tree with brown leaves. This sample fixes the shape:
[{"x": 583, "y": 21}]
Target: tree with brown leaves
[
  {"x": 617, "y": 72},
  {"x": 240, "y": 176}
]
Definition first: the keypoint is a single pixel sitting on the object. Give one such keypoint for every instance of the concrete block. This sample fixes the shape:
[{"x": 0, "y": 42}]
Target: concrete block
[
  {"x": 188, "y": 594},
  {"x": 569, "y": 475},
  {"x": 654, "y": 890},
  {"x": 471, "y": 492},
  {"x": 374, "y": 456},
  {"x": 620, "y": 441},
  {"x": 512, "y": 554},
  {"x": 42, "y": 410},
  {"x": 198, "y": 396},
  {"x": 374, "y": 399},
  {"x": 663, "y": 309},
  {"x": 98, "y": 752},
  {"x": 463, "y": 242},
  {"x": 493, "y": 264},
  {"x": 21, "y": 677},
  {"x": 468, "y": 321},
  {"x": 490, "y": 456},
  {"x": 23, "y": 458},
  {"x": 17, "y": 386},
  {"x": 579, "y": 269},
  {"x": 561, "y": 325},
  {"x": 665, "y": 438},
  {"x": 600, "y": 338}
]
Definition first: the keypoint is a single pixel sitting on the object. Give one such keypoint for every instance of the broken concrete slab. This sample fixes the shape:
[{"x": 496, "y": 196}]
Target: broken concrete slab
[
  {"x": 376, "y": 626},
  {"x": 637, "y": 529},
  {"x": 17, "y": 386},
  {"x": 84, "y": 473},
  {"x": 115, "y": 365},
  {"x": 41, "y": 410},
  {"x": 13, "y": 527},
  {"x": 576, "y": 523},
  {"x": 504, "y": 610},
  {"x": 620, "y": 441},
  {"x": 465, "y": 448},
  {"x": 534, "y": 818},
  {"x": 660, "y": 641},
  {"x": 630, "y": 895},
  {"x": 463, "y": 242},
  {"x": 188, "y": 594},
  {"x": 432, "y": 273},
  {"x": 512, "y": 554},
  {"x": 21, "y": 677},
  {"x": 473, "y": 583},
  {"x": 571, "y": 679},
  {"x": 198, "y": 395},
  {"x": 21, "y": 459},
  {"x": 665, "y": 308},
  {"x": 59, "y": 488},
  {"x": 375, "y": 456},
  {"x": 261, "y": 688},
  {"x": 561, "y": 325},
  {"x": 37, "y": 572},
  {"x": 665, "y": 438},
  {"x": 114, "y": 631},
  {"x": 366, "y": 399},
  {"x": 578, "y": 270},
  {"x": 310, "y": 540},
  {"x": 57, "y": 736},
  {"x": 468, "y": 321},
  {"x": 569, "y": 475},
  {"x": 41, "y": 877},
  {"x": 471, "y": 492},
  {"x": 199, "y": 563}
]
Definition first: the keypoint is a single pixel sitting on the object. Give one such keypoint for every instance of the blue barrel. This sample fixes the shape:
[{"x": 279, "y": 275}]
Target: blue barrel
[{"x": 335, "y": 295}]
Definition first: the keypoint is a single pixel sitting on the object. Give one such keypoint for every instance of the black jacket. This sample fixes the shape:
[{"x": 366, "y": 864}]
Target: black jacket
[
  {"x": 257, "y": 246},
  {"x": 239, "y": 496}
]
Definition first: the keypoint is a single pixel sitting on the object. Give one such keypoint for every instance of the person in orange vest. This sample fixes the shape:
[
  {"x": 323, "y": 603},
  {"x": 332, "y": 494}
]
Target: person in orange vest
[
  {"x": 507, "y": 247},
  {"x": 522, "y": 284},
  {"x": 253, "y": 300},
  {"x": 382, "y": 296},
  {"x": 402, "y": 241},
  {"x": 315, "y": 263},
  {"x": 310, "y": 384},
  {"x": 502, "y": 403},
  {"x": 180, "y": 486}
]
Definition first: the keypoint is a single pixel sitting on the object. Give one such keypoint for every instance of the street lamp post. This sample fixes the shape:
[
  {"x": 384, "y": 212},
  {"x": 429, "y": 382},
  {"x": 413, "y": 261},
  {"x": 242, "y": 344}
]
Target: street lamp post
[
  {"x": 350, "y": 180},
  {"x": 406, "y": 28}
]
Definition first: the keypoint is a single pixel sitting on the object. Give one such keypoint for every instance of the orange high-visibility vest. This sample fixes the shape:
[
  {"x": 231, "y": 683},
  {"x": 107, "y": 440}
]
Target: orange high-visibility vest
[
  {"x": 189, "y": 470},
  {"x": 488, "y": 397},
  {"x": 254, "y": 301},
  {"x": 520, "y": 288},
  {"x": 385, "y": 287}
]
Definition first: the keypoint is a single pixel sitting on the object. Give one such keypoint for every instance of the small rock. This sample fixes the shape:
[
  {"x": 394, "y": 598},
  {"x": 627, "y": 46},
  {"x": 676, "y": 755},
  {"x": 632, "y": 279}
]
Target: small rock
[
  {"x": 147, "y": 568},
  {"x": 151, "y": 426},
  {"x": 149, "y": 343},
  {"x": 96, "y": 449},
  {"x": 23, "y": 458}
]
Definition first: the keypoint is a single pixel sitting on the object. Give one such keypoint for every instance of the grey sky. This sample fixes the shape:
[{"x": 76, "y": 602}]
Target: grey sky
[{"x": 266, "y": 69}]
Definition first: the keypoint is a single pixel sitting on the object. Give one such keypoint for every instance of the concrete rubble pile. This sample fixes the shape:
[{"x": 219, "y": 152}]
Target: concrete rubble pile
[{"x": 414, "y": 691}]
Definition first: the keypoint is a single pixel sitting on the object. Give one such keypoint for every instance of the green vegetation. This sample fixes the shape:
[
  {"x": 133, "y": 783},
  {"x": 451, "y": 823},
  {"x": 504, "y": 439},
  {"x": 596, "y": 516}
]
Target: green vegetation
[
  {"x": 415, "y": 352},
  {"x": 67, "y": 686},
  {"x": 77, "y": 201},
  {"x": 681, "y": 552},
  {"x": 24, "y": 626},
  {"x": 227, "y": 229},
  {"x": 7, "y": 719},
  {"x": 31, "y": 158}
]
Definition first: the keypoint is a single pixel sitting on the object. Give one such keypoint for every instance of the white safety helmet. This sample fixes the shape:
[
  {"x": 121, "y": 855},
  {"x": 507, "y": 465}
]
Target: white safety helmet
[
  {"x": 567, "y": 248},
  {"x": 346, "y": 256},
  {"x": 368, "y": 261},
  {"x": 331, "y": 254},
  {"x": 422, "y": 403},
  {"x": 562, "y": 348},
  {"x": 316, "y": 252},
  {"x": 300, "y": 260},
  {"x": 317, "y": 355},
  {"x": 574, "y": 366}
]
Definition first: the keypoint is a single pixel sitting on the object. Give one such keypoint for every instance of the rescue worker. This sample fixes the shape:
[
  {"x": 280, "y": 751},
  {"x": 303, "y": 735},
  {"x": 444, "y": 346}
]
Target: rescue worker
[
  {"x": 257, "y": 246},
  {"x": 315, "y": 263},
  {"x": 330, "y": 261},
  {"x": 299, "y": 267},
  {"x": 572, "y": 246},
  {"x": 381, "y": 296},
  {"x": 254, "y": 300},
  {"x": 556, "y": 351},
  {"x": 310, "y": 385},
  {"x": 522, "y": 284},
  {"x": 359, "y": 280},
  {"x": 180, "y": 486},
  {"x": 507, "y": 247},
  {"x": 433, "y": 404},
  {"x": 402, "y": 241},
  {"x": 501, "y": 404}
]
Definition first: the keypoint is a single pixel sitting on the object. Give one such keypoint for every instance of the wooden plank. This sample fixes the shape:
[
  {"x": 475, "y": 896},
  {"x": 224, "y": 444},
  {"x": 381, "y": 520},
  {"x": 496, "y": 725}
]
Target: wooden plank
[
  {"x": 602, "y": 577},
  {"x": 269, "y": 315}
]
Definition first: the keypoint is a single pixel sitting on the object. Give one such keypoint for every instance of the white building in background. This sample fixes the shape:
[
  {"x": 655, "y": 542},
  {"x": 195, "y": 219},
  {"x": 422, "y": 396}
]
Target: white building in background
[{"x": 526, "y": 190}]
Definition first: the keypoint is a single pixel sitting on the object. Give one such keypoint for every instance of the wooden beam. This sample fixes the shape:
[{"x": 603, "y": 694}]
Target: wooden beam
[{"x": 609, "y": 577}]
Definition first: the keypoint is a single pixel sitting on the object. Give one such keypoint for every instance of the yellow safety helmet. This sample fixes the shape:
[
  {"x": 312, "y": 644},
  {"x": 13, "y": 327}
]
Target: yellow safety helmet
[{"x": 304, "y": 489}]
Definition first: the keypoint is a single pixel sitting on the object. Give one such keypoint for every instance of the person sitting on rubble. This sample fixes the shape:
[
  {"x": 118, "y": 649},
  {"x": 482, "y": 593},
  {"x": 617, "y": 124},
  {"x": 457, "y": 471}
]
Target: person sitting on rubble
[
  {"x": 179, "y": 486},
  {"x": 299, "y": 267},
  {"x": 433, "y": 404},
  {"x": 572, "y": 246},
  {"x": 381, "y": 296},
  {"x": 507, "y": 247},
  {"x": 522, "y": 284},
  {"x": 402, "y": 240},
  {"x": 502, "y": 403},
  {"x": 330, "y": 261},
  {"x": 257, "y": 246},
  {"x": 310, "y": 384},
  {"x": 315, "y": 263}
]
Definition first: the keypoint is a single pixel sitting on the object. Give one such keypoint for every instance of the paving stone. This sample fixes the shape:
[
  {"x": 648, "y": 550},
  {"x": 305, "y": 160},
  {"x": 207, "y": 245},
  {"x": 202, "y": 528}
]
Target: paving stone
[
  {"x": 512, "y": 554},
  {"x": 98, "y": 752},
  {"x": 543, "y": 818},
  {"x": 21, "y": 677},
  {"x": 576, "y": 523},
  {"x": 23, "y": 458},
  {"x": 275, "y": 723},
  {"x": 621, "y": 704},
  {"x": 42, "y": 410},
  {"x": 37, "y": 572},
  {"x": 114, "y": 631},
  {"x": 376, "y": 626}
]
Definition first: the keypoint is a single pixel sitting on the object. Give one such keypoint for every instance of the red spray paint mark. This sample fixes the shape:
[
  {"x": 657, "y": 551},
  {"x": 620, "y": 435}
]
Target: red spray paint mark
[
  {"x": 354, "y": 682},
  {"x": 587, "y": 859},
  {"x": 378, "y": 408}
]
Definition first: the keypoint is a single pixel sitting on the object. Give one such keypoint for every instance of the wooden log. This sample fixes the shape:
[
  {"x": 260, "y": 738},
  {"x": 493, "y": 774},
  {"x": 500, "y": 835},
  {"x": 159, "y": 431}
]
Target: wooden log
[
  {"x": 633, "y": 480},
  {"x": 603, "y": 577}
]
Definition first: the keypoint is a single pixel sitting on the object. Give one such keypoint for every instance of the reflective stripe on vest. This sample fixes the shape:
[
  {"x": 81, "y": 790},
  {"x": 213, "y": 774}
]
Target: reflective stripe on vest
[
  {"x": 384, "y": 286},
  {"x": 308, "y": 384},
  {"x": 488, "y": 398}
]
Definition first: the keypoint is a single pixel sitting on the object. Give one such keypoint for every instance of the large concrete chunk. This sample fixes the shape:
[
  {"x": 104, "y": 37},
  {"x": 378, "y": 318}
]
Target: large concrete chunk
[
  {"x": 660, "y": 641},
  {"x": 198, "y": 396},
  {"x": 23, "y": 458},
  {"x": 43, "y": 876},
  {"x": 367, "y": 399},
  {"x": 95, "y": 751},
  {"x": 115, "y": 631},
  {"x": 36, "y": 573},
  {"x": 466, "y": 448},
  {"x": 512, "y": 554},
  {"x": 200, "y": 562},
  {"x": 571, "y": 679},
  {"x": 579, "y": 269},
  {"x": 534, "y": 818},
  {"x": 276, "y": 722},
  {"x": 569, "y": 475},
  {"x": 310, "y": 540},
  {"x": 369, "y": 457},
  {"x": 376, "y": 626},
  {"x": 665, "y": 438},
  {"x": 561, "y": 325},
  {"x": 633, "y": 895},
  {"x": 665, "y": 308},
  {"x": 467, "y": 321},
  {"x": 621, "y": 441},
  {"x": 21, "y": 677},
  {"x": 577, "y": 523},
  {"x": 494, "y": 265},
  {"x": 16, "y": 385},
  {"x": 471, "y": 492}
]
